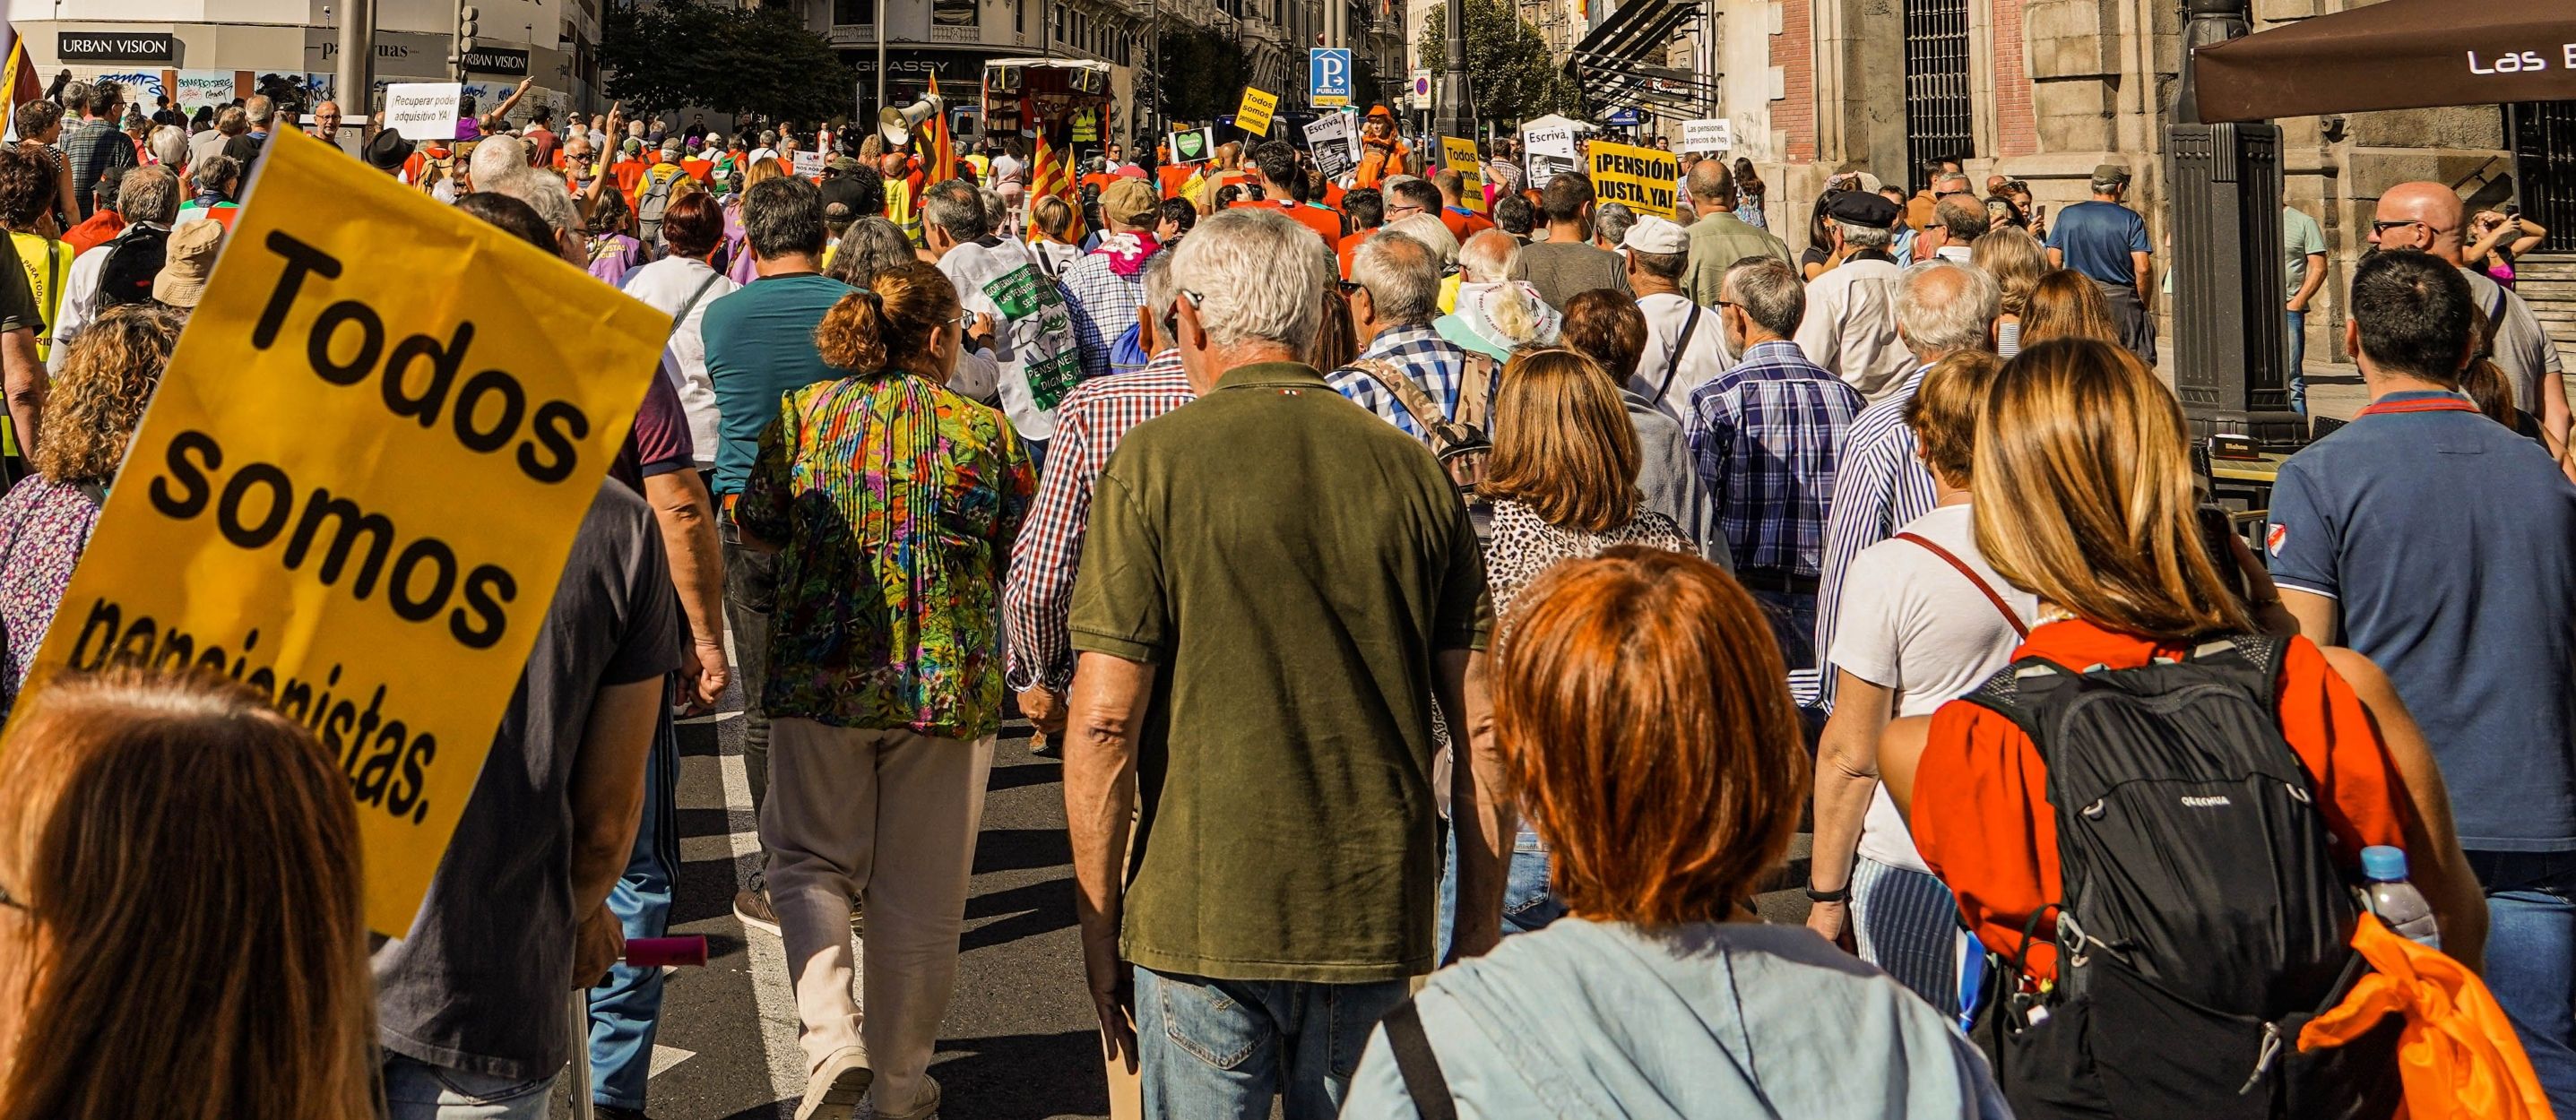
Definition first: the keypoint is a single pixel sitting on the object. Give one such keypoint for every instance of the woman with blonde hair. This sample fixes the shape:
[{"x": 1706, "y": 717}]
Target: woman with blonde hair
[
  {"x": 1055, "y": 245},
  {"x": 180, "y": 933},
  {"x": 2016, "y": 260},
  {"x": 2083, "y": 497},
  {"x": 1563, "y": 485},
  {"x": 99, "y": 396},
  {"x": 1643, "y": 712},
  {"x": 2065, "y": 304},
  {"x": 892, "y": 502},
  {"x": 739, "y": 265}
]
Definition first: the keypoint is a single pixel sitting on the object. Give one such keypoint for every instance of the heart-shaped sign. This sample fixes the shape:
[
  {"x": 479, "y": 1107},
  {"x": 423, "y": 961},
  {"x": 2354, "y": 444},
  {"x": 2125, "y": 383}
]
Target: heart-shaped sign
[{"x": 1191, "y": 145}]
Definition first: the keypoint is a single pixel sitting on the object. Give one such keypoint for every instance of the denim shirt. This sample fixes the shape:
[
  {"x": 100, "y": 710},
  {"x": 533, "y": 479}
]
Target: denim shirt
[{"x": 1592, "y": 1019}]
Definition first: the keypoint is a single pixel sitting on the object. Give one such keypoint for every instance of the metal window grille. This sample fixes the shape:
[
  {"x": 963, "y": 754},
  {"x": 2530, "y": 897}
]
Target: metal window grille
[
  {"x": 1939, "y": 121},
  {"x": 2544, "y": 158}
]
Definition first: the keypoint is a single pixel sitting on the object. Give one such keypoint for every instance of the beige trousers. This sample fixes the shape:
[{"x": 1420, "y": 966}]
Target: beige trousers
[{"x": 834, "y": 794}]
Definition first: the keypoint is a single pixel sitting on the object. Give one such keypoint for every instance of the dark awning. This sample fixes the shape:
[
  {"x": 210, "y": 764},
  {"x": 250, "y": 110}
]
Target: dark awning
[
  {"x": 2399, "y": 54},
  {"x": 1621, "y": 63}
]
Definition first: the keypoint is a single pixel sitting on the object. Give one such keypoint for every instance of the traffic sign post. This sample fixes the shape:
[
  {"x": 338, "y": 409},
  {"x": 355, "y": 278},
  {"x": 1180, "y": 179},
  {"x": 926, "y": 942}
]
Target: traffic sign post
[{"x": 1328, "y": 77}]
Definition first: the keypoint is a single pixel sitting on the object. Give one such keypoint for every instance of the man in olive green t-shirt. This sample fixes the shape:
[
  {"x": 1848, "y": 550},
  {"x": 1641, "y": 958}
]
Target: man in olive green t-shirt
[{"x": 1274, "y": 587}]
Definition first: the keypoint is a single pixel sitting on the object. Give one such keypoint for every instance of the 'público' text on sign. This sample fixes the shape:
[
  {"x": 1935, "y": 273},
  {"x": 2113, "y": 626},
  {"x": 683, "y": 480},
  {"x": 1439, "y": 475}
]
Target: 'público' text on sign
[
  {"x": 1253, "y": 116},
  {"x": 358, "y": 483},
  {"x": 423, "y": 110},
  {"x": 1460, "y": 156},
  {"x": 1641, "y": 177}
]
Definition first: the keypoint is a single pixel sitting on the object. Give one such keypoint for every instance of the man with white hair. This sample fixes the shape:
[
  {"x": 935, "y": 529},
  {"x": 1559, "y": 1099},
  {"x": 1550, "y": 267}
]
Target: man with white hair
[
  {"x": 149, "y": 199},
  {"x": 1850, "y": 328},
  {"x": 1020, "y": 352},
  {"x": 1267, "y": 507},
  {"x": 1685, "y": 346},
  {"x": 1394, "y": 292},
  {"x": 1942, "y": 308},
  {"x": 259, "y": 112},
  {"x": 1491, "y": 313},
  {"x": 1089, "y": 425}
]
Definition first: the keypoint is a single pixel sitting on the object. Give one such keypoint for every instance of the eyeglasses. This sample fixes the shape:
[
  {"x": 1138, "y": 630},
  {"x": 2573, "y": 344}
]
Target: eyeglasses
[
  {"x": 966, "y": 321},
  {"x": 11, "y": 901},
  {"x": 2384, "y": 227},
  {"x": 1408, "y": 208},
  {"x": 1196, "y": 299},
  {"x": 1350, "y": 287}
]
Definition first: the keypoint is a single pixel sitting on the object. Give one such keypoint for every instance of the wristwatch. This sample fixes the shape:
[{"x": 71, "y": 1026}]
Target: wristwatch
[{"x": 1842, "y": 895}]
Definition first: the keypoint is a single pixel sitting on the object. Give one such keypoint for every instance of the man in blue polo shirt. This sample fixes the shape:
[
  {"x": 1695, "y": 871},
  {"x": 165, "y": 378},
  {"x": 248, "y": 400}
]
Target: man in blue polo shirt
[{"x": 2442, "y": 546}]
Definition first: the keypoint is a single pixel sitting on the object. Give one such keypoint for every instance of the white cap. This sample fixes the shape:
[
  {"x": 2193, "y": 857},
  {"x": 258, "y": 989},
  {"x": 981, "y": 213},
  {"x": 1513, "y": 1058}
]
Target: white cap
[{"x": 1652, "y": 234}]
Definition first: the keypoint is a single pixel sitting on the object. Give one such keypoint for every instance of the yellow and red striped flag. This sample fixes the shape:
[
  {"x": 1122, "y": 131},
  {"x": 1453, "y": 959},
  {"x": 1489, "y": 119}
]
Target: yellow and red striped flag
[{"x": 939, "y": 150}]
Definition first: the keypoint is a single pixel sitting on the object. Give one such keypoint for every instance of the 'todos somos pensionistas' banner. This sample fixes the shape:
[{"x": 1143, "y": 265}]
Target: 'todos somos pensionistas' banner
[{"x": 358, "y": 483}]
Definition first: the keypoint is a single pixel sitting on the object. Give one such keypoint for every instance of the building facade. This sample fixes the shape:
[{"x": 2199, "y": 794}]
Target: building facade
[
  {"x": 207, "y": 52},
  {"x": 2042, "y": 91}
]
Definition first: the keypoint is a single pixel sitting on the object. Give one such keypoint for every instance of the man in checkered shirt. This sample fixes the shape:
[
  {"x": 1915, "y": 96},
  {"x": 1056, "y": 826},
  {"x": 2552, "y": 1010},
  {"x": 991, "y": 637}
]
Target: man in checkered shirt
[
  {"x": 1089, "y": 422},
  {"x": 1768, "y": 435},
  {"x": 1394, "y": 291},
  {"x": 1101, "y": 290},
  {"x": 96, "y": 145}
]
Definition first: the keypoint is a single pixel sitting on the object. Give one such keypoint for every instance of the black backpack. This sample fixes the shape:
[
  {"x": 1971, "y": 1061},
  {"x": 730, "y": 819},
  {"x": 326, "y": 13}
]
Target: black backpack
[
  {"x": 133, "y": 260},
  {"x": 2202, "y": 920}
]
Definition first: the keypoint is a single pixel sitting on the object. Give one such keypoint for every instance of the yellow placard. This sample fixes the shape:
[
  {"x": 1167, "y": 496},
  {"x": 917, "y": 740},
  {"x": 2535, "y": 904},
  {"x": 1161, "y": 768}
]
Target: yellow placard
[
  {"x": 358, "y": 483},
  {"x": 1460, "y": 156},
  {"x": 1643, "y": 178},
  {"x": 1253, "y": 116}
]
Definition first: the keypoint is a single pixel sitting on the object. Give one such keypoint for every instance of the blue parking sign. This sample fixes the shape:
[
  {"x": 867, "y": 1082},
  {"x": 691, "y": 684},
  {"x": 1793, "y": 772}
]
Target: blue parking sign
[{"x": 1328, "y": 74}]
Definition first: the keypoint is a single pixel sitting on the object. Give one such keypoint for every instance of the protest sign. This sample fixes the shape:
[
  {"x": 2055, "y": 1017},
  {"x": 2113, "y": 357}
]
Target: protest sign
[
  {"x": 1460, "y": 156},
  {"x": 1329, "y": 141},
  {"x": 1708, "y": 137},
  {"x": 1643, "y": 178},
  {"x": 1193, "y": 146},
  {"x": 1549, "y": 152},
  {"x": 809, "y": 165},
  {"x": 1253, "y": 116},
  {"x": 358, "y": 483},
  {"x": 423, "y": 110},
  {"x": 205, "y": 89}
]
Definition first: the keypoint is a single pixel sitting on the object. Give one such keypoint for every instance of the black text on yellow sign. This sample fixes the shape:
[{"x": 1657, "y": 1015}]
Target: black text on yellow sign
[
  {"x": 358, "y": 483},
  {"x": 1643, "y": 178}
]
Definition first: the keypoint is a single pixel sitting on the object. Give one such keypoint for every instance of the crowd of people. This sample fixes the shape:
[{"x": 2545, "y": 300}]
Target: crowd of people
[{"x": 1649, "y": 538}]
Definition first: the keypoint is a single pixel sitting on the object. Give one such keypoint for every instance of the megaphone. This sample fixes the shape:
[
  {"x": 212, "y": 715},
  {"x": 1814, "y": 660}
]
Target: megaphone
[{"x": 896, "y": 125}]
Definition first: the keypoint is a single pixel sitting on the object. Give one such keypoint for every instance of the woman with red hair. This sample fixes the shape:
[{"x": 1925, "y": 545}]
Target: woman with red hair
[{"x": 1640, "y": 706}]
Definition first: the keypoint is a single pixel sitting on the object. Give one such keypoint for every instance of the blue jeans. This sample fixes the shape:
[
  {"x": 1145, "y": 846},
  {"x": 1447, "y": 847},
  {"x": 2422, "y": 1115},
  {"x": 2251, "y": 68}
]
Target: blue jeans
[
  {"x": 1527, "y": 903},
  {"x": 1792, "y": 615},
  {"x": 627, "y": 1011},
  {"x": 2531, "y": 958},
  {"x": 2298, "y": 360},
  {"x": 1221, "y": 1049},
  {"x": 416, "y": 1090}
]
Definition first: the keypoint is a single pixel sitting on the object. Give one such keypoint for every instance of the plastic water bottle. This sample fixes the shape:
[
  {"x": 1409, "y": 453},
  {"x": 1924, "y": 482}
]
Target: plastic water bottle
[{"x": 2395, "y": 900}]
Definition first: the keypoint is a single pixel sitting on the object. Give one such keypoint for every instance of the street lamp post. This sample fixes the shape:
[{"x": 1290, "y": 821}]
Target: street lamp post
[
  {"x": 1456, "y": 117},
  {"x": 2231, "y": 349},
  {"x": 355, "y": 76}
]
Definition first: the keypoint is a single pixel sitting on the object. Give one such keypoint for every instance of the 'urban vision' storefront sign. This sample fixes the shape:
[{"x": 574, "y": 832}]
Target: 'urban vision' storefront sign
[{"x": 116, "y": 46}]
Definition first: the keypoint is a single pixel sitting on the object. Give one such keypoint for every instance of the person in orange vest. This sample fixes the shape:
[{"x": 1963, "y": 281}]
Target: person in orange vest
[{"x": 1382, "y": 153}]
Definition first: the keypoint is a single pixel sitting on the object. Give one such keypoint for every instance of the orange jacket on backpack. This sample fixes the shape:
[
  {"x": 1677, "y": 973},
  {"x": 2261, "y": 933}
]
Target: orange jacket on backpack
[{"x": 2458, "y": 1054}]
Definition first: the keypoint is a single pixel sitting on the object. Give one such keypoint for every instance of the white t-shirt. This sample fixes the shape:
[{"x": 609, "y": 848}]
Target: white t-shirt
[
  {"x": 1912, "y": 623},
  {"x": 667, "y": 285},
  {"x": 1035, "y": 360},
  {"x": 1666, "y": 315}
]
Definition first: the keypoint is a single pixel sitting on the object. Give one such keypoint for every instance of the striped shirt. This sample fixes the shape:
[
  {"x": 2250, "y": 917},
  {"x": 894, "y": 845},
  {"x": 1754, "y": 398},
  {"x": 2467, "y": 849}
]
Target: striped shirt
[
  {"x": 1088, "y": 426},
  {"x": 1435, "y": 363},
  {"x": 1880, "y": 487},
  {"x": 1767, "y": 435}
]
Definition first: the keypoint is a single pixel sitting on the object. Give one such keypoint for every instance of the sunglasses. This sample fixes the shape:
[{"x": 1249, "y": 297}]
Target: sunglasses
[{"x": 2383, "y": 227}]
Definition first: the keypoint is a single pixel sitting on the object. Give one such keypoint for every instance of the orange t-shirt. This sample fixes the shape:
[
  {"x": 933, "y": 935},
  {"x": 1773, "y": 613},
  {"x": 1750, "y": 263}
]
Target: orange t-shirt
[
  {"x": 699, "y": 169},
  {"x": 629, "y": 173},
  {"x": 1100, "y": 179},
  {"x": 1325, "y": 223},
  {"x": 1351, "y": 244},
  {"x": 1173, "y": 175},
  {"x": 1980, "y": 813},
  {"x": 1464, "y": 226}
]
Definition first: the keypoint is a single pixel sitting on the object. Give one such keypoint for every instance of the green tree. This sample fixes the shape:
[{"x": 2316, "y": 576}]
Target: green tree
[
  {"x": 759, "y": 59},
  {"x": 1508, "y": 68},
  {"x": 1202, "y": 74}
]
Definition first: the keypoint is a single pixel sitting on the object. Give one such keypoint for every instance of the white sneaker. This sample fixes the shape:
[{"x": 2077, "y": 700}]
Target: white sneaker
[
  {"x": 834, "y": 1091},
  {"x": 927, "y": 1108}
]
